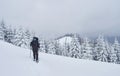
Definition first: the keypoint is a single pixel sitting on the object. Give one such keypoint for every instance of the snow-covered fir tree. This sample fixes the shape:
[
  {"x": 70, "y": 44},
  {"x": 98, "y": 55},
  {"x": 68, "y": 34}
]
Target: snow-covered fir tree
[
  {"x": 9, "y": 35},
  {"x": 108, "y": 50},
  {"x": 87, "y": 50},
  {"x": 75, "y": 48},
  {"x": 66, "y": 47},
  {"x": 43, "y": 45},
  {"x": 116, "y": 51},
  {"x": 113, "y": 56},
  {"x": 27, "y": 38},
  {"x": 22, "y": 37},
  {"x": 18, "y": 37},
  {"x": 46, "y": 45},
  {"x": 1, "y": 31},
  {"x": 6, "y": 32},
  {"x": 51, "y": 48},
  {"x": 100, "y": 52},
  {"x": 58, "y": 48}
]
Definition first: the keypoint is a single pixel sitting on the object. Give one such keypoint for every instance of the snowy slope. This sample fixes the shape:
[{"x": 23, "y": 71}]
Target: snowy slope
[{"x": 16, "y": 61}]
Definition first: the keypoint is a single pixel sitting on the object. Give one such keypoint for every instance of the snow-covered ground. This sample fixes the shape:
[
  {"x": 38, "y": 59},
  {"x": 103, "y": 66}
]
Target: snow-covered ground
[{"x": 15, "y": 61}]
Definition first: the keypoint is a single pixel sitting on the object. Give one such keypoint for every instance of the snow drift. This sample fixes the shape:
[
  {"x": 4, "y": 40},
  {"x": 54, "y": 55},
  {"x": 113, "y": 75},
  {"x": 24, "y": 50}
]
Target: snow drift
[{"x": 16, "y": 61}]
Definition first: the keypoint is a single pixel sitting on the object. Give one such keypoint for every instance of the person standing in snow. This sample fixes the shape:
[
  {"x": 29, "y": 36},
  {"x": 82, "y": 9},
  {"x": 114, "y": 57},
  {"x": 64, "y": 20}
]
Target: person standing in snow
[{"x": 35, "y": 47}]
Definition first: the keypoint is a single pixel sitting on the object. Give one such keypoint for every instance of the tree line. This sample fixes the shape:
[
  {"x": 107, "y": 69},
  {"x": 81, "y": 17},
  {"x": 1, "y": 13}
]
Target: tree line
[{"x": 82, "y": 48}]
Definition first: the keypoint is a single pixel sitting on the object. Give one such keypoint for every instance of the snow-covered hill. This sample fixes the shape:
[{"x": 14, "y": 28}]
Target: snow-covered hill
[
  {"x": 65, "y": 39},
  {"x": 15, "y": 61}
]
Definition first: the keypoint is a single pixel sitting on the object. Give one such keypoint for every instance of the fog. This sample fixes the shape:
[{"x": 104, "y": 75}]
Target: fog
[{"x": 51, "y": 18}]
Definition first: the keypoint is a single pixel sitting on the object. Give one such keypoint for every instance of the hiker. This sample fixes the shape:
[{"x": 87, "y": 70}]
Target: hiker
[{"x": 35, "y": 47}]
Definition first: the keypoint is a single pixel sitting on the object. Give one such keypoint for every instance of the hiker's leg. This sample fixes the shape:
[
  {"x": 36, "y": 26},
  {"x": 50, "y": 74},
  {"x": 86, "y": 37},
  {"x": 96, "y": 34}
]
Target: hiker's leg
[{"x": 34, "y": 55}]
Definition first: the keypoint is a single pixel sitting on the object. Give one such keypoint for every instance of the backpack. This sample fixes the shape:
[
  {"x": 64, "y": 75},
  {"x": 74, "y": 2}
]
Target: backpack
[{"x": 35, "y": 43}]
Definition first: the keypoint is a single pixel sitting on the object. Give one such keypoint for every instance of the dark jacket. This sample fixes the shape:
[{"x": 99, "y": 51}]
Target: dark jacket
[{"x": 35, "y": 45}]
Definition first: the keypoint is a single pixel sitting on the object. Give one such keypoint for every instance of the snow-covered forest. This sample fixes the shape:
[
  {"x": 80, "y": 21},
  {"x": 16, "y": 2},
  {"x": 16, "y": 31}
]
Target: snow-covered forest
[{"x": 69, "y": 45}]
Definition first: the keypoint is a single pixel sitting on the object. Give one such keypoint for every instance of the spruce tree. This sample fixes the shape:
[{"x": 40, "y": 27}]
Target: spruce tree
[
  {"x": 87, "y": 51},
  {"x": 1, "y": 31},
  {"x": 43, "y": 45},
  {"x": 100, "y": 50},
  {"x": 75, "y": 48},
  {"x": 58, "y": 48},
  {"x": 51, "y": 48},
  {"x": 116, "y": 49}
]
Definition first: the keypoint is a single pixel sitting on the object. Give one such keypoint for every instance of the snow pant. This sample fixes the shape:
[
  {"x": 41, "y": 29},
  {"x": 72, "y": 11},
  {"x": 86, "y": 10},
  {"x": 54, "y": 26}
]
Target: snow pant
[{"x": 35, "y": 55}]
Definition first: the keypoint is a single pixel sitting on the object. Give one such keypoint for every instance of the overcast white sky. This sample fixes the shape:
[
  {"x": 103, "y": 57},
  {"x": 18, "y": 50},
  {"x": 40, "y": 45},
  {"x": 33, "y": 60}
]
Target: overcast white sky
[{"x": 55, "y": 17}]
